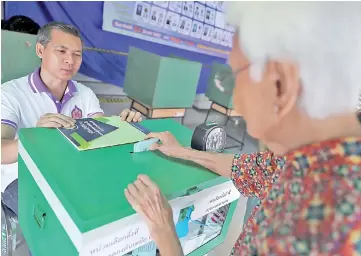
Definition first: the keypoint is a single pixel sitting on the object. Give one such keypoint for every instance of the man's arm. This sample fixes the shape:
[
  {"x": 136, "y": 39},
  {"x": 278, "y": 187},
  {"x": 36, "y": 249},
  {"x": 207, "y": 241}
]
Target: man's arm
[
  {"x": 10, "y": 119},
  {"x": 9, "y": 145}
]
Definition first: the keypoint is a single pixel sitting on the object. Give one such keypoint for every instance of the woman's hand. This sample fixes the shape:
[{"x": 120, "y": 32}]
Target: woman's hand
[
  {"x": 147, "y": 200},
  {"x": 169, "y": 144}
]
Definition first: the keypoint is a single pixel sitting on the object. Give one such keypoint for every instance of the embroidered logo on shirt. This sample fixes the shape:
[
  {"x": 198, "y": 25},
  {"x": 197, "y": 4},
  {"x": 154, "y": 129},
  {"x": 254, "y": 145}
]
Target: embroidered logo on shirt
[{"x": 76, "y": 113}]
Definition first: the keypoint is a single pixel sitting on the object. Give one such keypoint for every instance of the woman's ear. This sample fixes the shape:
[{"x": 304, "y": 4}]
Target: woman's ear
[
  {"x": 39, "y": 48},
  {"x": 288, "y": 87}
]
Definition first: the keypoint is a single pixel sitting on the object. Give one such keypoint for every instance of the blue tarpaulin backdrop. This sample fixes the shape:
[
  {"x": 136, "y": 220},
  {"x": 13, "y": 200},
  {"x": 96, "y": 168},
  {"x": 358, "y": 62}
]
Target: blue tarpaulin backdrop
[{"x": 87, "y": 16}]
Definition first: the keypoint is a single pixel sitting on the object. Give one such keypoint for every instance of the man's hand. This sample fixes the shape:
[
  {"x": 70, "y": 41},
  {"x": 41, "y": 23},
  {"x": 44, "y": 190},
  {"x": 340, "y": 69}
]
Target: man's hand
[
  {"x": 170, "y": 146},
  {"x": 56, "y": 120},
  {"x": 130, "y": 116}
]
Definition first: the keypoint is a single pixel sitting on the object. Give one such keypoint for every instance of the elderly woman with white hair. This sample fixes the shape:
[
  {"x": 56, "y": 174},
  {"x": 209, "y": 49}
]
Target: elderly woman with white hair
[{"x": 297, "y": 79}]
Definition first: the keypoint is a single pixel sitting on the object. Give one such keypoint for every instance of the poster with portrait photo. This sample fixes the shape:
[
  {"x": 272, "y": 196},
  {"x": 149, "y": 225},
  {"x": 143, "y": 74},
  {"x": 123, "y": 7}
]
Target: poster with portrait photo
[
  {"x": 225, "y": 37},
  {"x": 172, "y": 21},
  {"x": 138, "y": 11},
  {"x": 188, "y": 26},
  {"x": 176, "y": 6},
  {"x": 199, "y": 12},
  {"x": 139, "y": 19},
  {"x": 220, "y": 20},
  {"x": 161, "y": 17},
  {"x": 182, "y": 24},
  {"x": 163, "y": 4},
  {"x": 175, "y": 22},
  {"x": 157, "y": 16},
  {"x": 210, "y": 16},
  {"x": 188, "y": 8},
  {"x": 196, "y": 29},
  {"x": 212, "y": 4},
  {"x": 154, "y": 15},
  {"x": 216, "y": 36},
  {"x": 168, "y": 20},
  {"x": 142, "y": 11},
  {"x": 207, "y": 32}
]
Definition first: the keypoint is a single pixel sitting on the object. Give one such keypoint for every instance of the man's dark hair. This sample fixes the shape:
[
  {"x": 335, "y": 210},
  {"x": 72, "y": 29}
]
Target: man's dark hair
[
  {"x": 44, "y": 34},
  {"x": 22, "y": 24},
  {"x": 3, "y": 24}
]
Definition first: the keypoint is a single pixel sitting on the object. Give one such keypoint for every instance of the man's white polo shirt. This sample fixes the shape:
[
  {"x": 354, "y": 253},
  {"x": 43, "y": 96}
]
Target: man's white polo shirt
[{"x": 25, "y": 100}]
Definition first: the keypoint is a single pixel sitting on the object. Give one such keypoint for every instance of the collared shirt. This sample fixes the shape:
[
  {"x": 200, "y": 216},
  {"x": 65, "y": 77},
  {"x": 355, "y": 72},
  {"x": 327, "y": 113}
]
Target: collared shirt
[
  {"x": 310, "y": 204},
  {"x": 26, "y": 99}
]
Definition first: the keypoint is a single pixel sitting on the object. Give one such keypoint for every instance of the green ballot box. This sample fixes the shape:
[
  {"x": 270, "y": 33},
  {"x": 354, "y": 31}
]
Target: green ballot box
[
  {"x": 221, "y": 93},
  {"x": 161, "y": 82},
  {"x": 72, "y": 202}
]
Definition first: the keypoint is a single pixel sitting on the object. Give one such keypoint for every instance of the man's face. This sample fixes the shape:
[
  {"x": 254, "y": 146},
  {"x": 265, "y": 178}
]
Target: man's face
[{"x": 62, "y": 56}]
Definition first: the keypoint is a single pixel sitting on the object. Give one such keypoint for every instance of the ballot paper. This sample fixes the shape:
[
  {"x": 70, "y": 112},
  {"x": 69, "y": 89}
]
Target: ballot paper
[
  {"x": 92, "y": 133},
  {"x": 144, "y": 145}
]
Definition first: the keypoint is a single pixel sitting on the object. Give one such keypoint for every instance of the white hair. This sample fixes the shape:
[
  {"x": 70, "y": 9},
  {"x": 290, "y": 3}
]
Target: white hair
[{"x": 323, "y": 38}]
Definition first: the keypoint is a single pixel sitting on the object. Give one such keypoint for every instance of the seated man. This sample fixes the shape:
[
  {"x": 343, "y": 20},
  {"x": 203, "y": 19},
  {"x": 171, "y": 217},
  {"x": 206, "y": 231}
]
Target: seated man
[{"x": 46, "y": 98}]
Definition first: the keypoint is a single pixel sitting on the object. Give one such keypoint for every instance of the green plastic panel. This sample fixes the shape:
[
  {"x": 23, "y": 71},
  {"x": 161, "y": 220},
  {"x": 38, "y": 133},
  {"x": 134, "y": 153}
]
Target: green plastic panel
[
  {"x": 52, "y": 236},
  {"x": 90, "y": 184},
  {"x": 42, "y": 240},
  {"x": 213, "y": 93},
  {"x": 161, "y": 82},
  {"x": 18, "y": 57},
  {"x": 141, "y": 75}
]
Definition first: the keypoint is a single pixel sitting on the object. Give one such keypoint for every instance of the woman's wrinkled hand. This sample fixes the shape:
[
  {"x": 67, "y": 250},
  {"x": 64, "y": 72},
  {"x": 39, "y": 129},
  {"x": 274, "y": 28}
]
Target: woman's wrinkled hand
[
  {"x": 147, "y": 200},
  {"x": 168, "y": 146}
]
